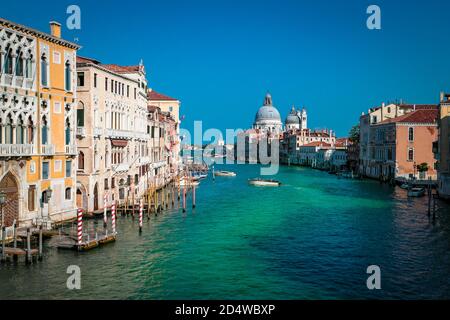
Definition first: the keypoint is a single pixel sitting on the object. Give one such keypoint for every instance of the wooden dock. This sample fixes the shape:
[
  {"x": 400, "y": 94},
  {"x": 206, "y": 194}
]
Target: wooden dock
[
  {"x": 16, "y": 252},
  {"x": 70, "y": 243}
]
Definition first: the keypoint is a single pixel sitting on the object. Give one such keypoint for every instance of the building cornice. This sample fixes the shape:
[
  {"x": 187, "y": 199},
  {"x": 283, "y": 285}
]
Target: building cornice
[{"x": 39, "y": 34}]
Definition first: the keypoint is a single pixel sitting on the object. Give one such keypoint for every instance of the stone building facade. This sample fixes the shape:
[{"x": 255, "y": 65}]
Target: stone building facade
[{"x": 37, "y": 125}]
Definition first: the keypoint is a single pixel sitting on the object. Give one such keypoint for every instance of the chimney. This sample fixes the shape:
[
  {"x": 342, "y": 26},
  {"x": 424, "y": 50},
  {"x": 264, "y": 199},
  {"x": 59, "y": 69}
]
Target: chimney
[
  {"x": 55, "y": 29},
  {"x": 441, "y": 97}
]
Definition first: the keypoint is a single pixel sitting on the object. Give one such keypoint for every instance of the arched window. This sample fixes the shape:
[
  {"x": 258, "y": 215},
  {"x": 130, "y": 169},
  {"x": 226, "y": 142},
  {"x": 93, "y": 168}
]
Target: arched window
[
  {"x": 9, "y": 130},
  {"x": 410, "y": 154},
  {"x": 29, "y": 66},
  {"x": 68, "y": 76},
  {"x": 44, "y": 130},
  {"x": 80, "y": 114},
  {"x": 67, "y": 131},
  {"x": 19, "y": 63},
  {"x": 411, "y": 134},
  {"x": 20, "y": 131},
  {"x": 30, "y": 131},
  {"x": 81, "y": 160},
  {"x": 68, "y": 194},
  {"x": 9, "y": 61},
  {"x": 44, "y": 71}
]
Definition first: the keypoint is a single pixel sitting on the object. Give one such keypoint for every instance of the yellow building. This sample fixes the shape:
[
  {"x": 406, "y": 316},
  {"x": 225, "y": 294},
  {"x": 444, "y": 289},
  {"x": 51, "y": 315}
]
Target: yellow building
[
  {"x": 37, "y": 125},
  {"x": 442, "y": 148}
]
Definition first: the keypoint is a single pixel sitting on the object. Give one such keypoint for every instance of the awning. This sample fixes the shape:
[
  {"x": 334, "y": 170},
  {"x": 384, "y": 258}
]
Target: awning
[{"x": 119, "y": 143}]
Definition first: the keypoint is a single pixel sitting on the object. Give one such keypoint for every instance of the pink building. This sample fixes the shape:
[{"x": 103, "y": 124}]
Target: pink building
[{"x": 397, "y": 146}]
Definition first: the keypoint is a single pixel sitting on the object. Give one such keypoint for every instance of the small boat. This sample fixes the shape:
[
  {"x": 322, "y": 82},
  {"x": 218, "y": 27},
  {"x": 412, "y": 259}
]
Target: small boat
[
  {"x": 404, "y": 186},
  {"x": 225, "y": 174},
  {"x": 264, "y": 182},
  {"x": 189, "y": 183},
  {"x": 416, "y": 192},
  {"x": 199, "y": 176}
]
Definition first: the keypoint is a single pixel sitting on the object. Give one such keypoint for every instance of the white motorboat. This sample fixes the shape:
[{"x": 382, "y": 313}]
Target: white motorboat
[
  {"x": 189, "y": 182},
  {"x": 416, "y": 192},
  {"x": 264, "y": 183},
  {"x": 225, "y": 174}
]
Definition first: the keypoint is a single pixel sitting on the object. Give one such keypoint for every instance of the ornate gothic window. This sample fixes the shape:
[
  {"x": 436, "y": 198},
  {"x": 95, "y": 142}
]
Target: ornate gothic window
[
  {"x": 9, "y": 61},
  {"x": 29, "y": 66},
  {"x": 81, "y": 160},
  {"x": 30, "y": 131},
  {"x": 19, "y": 63},
  {"x": 20, "y": 131},
  {"x": 44, "y": 71},
  {"x": 44, "y": 130},
  {"x": 67, "y": 132},
  {"x": 68, "y": 76},
  {"x": 9, "y": 130}
]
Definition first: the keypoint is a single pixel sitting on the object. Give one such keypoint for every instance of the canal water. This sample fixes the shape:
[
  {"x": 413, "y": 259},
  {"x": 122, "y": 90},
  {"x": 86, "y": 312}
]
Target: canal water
[{"x": 312, "y": 238}]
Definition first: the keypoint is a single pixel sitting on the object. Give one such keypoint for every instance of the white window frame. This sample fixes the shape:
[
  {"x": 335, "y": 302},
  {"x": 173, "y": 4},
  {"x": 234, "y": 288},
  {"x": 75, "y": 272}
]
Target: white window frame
[{"x": 56, "y": 58}]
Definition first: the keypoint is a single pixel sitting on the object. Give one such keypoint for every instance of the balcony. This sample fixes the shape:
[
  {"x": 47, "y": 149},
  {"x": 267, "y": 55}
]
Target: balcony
[
  {"x": 143, "y": 160},
  {"x": 98, "y": 131},
  {"x": 81, "y": 131},
  {"x": 158, "y": 164},
  {"x": 47, "y": 150},
  {"x": 71, "y": 150},
  {"x": 119, "y": 134},
  {"x": 123, "y": 167},
  {"x": 16, "y": 150}
]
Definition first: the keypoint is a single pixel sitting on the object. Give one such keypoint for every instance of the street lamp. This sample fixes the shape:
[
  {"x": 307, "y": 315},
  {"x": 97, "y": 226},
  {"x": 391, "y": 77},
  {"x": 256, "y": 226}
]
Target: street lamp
[{"x": 2, "y": 202}]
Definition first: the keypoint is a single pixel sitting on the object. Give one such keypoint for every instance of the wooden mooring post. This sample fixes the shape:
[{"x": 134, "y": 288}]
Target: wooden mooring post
[
  {"x": 40, "y": 243},
  {"x": 3, "y": 243},
  {"x": 193, "y": 197},
  {"x": 28, "y": 256}
]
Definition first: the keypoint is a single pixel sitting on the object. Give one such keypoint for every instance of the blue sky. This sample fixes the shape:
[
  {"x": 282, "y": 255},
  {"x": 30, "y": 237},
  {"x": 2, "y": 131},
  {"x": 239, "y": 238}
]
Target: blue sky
[{"x": 220, "y": 57}]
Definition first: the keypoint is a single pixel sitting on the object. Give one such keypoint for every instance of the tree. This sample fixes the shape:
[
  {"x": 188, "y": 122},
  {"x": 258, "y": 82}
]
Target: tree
[
  {"x": 423, "y": 167},
  {"x": 353, "y": 135}
]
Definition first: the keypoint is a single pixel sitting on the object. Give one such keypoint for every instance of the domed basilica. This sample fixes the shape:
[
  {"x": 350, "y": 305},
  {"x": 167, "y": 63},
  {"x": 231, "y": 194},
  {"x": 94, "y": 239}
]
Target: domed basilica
[{"x": 268, "y": 118}]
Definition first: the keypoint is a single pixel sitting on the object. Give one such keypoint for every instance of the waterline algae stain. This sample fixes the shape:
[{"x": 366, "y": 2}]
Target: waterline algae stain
[{"x": 312, "y": 238}]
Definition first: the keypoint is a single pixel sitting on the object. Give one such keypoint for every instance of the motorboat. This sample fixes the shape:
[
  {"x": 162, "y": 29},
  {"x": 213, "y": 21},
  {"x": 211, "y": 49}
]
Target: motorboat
[
  {"x": 416, "y": 192},
  {"x": 199, "y": 176},
  {"x": 189, "y": 182},
  {"x": 264, "y": 182},
  {"x": 404, "y": 186},
  {"x": 225, "y": 174}
]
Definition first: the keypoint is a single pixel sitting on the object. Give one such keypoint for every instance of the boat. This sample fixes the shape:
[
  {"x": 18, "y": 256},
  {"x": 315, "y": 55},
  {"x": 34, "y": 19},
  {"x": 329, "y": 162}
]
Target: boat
[
  {"x": 404, "y": 186},
  {"x": 199, "y": 176},
  {"x": 416, "y": 192},
  {"x": 189, "y": 183},
  {"x": 225, "y": 174},
  {"x": 264, "y": 182}
]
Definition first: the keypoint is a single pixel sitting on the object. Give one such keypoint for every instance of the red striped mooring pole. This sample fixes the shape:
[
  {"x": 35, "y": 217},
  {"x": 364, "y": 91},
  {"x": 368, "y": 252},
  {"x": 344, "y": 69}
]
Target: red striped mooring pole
[
  {"x": 80, "y": 226},
  {"x": 141, "y": 210},
  {"x": 105, "y": 208},
  {"x": 113, "y": 217}
]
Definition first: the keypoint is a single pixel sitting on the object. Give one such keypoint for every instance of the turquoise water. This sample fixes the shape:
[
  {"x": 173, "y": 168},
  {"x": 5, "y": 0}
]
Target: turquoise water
[{"x": 312, "y": 238}]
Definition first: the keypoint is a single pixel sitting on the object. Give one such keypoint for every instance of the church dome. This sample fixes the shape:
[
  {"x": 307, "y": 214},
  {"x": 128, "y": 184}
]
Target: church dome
[
  {"x": 267, "y": 113},
  {"x": 292, "y": 118}
]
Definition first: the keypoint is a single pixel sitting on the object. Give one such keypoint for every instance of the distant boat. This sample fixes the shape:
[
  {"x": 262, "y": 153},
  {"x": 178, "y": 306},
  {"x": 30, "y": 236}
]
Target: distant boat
[
  {"x": 225, "y": 174},
  {"x": 199, "y": 176},
  {"x": 264, "y": 182},
  {"x": 416, "y": 192},
  {"x": 189, "y": 182}
]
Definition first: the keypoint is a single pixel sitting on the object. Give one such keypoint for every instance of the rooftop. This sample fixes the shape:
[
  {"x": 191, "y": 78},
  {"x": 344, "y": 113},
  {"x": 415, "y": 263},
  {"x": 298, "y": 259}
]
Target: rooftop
[
  {"x": 156, "y": 96},
  {"x": 418, "y": 116}
]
